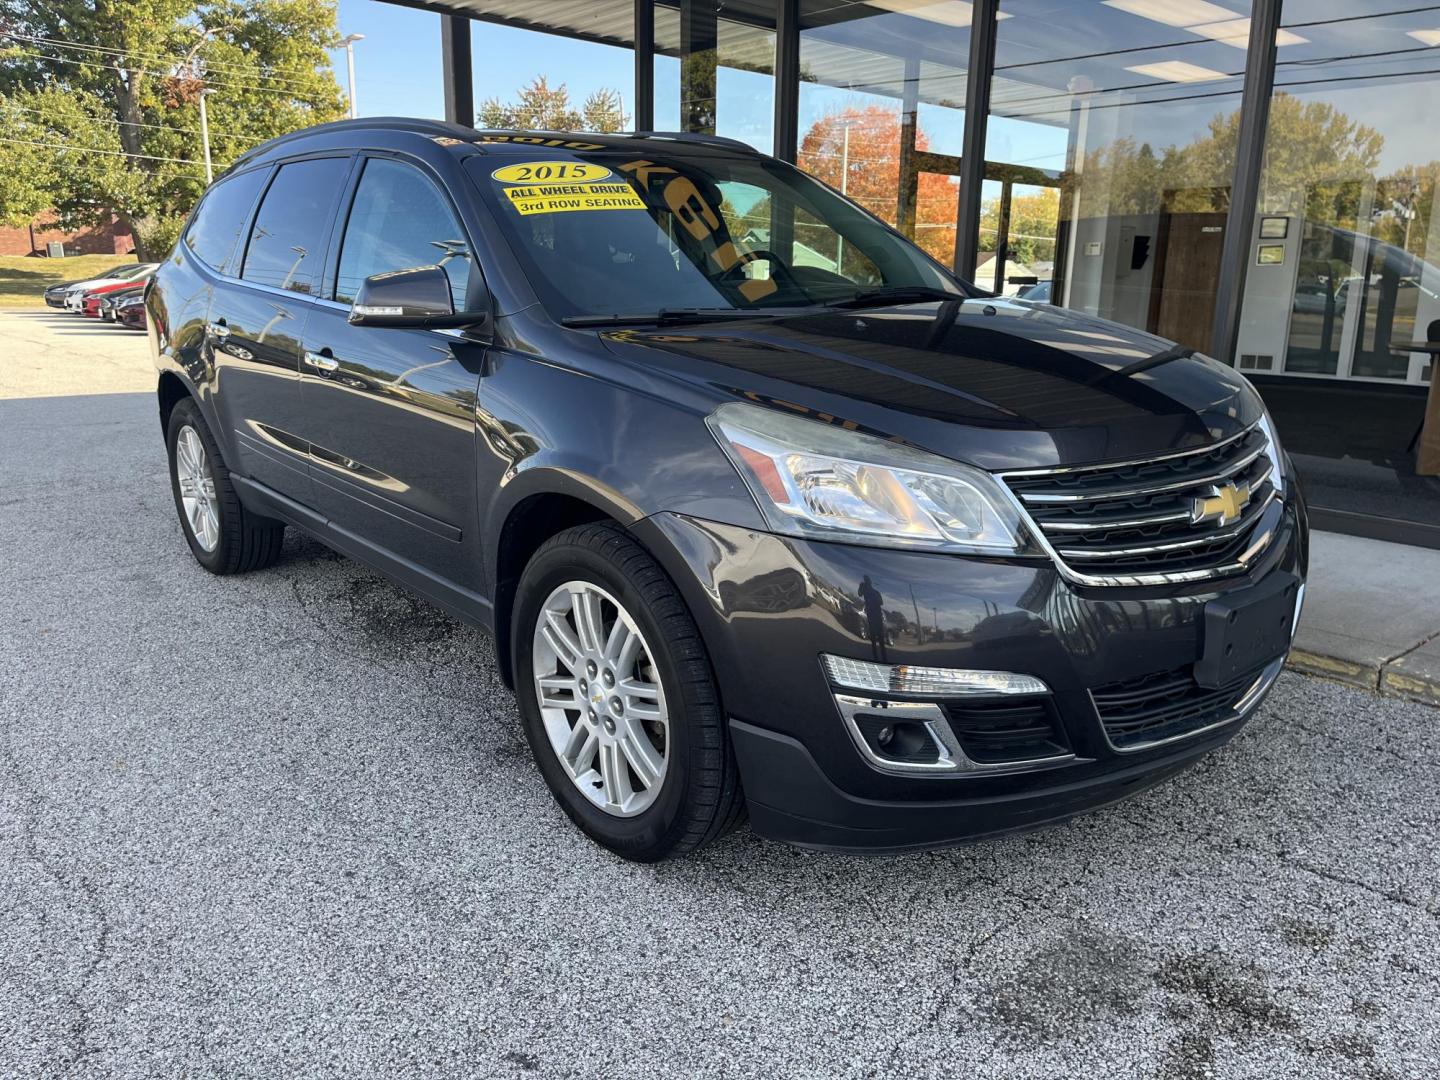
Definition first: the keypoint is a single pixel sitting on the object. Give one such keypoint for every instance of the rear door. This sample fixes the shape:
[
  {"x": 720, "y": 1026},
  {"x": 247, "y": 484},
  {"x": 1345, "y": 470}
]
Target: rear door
[
  {"x": 209, "y": 251},
  {"x": 257, "y": 322},
  {"x": 390, "y": 412}
]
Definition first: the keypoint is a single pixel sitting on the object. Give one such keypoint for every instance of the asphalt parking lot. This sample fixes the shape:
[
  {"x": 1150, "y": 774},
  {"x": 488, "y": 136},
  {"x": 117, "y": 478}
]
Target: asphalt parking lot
[{"x": 286, "y": 824}]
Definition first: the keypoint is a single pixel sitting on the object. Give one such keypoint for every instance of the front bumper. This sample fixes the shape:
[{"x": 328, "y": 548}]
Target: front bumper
[{"x": 769, "y": 607}]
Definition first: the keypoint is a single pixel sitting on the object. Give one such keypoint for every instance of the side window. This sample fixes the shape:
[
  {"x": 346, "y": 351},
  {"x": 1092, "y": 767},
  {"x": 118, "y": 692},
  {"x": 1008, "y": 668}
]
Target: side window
[
  {"x": 218, "y": 223},
  {"x": 400, "y": 220},
  {"x": 287, "y": 242}
]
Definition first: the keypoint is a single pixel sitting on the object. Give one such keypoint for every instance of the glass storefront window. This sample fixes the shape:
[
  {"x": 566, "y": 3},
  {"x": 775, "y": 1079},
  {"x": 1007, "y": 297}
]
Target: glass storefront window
[
  {"x": 714, "y": 72},
  {"x": 579, "y": 69},
  {"x": 1342, "y": 292},
  {"x": 1110, "y": 155},
  {"x": 882, "y": 95}
]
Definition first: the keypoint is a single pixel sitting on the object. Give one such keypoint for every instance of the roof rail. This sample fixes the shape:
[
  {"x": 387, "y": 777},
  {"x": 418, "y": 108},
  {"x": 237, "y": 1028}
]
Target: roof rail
[
  {"x": 414, "y": 125},
  {"x": 694, "y": 136}
]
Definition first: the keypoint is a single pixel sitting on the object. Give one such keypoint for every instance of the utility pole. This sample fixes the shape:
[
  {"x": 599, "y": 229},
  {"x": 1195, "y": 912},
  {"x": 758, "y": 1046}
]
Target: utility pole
[
  {"x": 349, "y": 43},
  {"x": 205, "y": 135}
]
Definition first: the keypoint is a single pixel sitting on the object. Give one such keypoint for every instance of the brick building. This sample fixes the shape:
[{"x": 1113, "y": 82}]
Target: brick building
[{"x": 111, "y": 239}]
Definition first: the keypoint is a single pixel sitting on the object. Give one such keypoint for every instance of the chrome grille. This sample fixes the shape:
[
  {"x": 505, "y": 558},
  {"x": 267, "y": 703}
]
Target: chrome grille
[{"x": 1137, "y": 522}]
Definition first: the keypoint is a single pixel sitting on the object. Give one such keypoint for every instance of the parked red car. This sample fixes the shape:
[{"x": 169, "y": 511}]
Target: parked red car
[
  {"x": 131, "y": 312},
  {"x": 90, "y": 303}
]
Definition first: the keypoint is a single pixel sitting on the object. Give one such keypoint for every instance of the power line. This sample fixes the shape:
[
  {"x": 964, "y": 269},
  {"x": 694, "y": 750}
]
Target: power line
[
  {"x": 170, "y": 75},
  {"x": 218, "y": 65},
  {"x": 97, "y": 150},
  {"x": 137, "y": 123}
]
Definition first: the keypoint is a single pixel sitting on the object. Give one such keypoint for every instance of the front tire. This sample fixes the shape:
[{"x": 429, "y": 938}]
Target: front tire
[
  {"x": 618, "y": 699},
  {"x": 224, "y": 537}
]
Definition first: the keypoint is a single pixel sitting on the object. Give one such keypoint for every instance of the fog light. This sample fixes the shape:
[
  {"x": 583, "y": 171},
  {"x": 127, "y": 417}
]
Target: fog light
[{"x": 908, "y": 679}]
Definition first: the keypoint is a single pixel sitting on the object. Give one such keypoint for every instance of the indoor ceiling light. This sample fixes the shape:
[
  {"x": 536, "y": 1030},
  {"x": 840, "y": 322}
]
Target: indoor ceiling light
[
  {"x": 1175, "y": 12},
  {"x": 1237, "y": 32},
  {"x": 1177, "y": 71},
  {"x": 1425, "y": 37}
]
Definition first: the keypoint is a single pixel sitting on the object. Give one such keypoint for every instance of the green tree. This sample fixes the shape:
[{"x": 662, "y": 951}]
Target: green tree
[
  {"x": 541, "y": 107},
  {"x": 1033, "y": 216},
  {"x": 1310, "y": 148},
  {"x": 99, "y": 101}
]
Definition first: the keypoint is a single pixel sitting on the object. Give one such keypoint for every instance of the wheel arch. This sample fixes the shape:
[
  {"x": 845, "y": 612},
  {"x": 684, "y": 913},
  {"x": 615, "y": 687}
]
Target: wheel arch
[
  {"x": 170, "y": 390},
  {"x": 534, "y": 519}
]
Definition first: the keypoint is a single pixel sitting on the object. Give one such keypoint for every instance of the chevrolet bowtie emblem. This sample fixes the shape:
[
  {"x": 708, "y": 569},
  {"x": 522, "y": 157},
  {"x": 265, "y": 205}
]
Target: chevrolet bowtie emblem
[{"x": 1223, "y": 504}]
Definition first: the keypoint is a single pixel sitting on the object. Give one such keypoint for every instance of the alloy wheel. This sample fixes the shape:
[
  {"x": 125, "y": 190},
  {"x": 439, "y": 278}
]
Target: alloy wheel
[
  {"x": 600, "y": 698},
  {"x": 197, "y": 488}
]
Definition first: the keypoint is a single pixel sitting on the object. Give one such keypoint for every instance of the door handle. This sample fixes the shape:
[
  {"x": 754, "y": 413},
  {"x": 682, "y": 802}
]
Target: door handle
[
  {"x": 321, "y": 361},
  {"x": 218, "y": 330}
]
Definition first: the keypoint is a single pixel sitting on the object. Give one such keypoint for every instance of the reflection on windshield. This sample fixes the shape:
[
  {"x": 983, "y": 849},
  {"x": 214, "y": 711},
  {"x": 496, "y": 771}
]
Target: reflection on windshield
[{"x": 610, "y": 231}]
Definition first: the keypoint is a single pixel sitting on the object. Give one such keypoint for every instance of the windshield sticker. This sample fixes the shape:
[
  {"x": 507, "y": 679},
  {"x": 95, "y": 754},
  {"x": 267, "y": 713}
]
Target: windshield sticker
[
  {"x": 532, "y": 172},
  {"x": 560, "y": 198},
  {"x": 700, "y": 220}
]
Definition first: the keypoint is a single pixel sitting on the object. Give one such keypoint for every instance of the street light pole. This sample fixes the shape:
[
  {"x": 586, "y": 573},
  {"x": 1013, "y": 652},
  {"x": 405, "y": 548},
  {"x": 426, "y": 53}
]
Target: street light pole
[
  {"x": 205, "y": 135},
  {"x": 349, "y": 43}
]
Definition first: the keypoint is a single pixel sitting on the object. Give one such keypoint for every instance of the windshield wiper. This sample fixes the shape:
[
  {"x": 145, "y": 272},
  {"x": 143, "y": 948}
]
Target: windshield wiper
[
  {"x": 899, "y": 294},
  {"x": 671, "y": 317}
]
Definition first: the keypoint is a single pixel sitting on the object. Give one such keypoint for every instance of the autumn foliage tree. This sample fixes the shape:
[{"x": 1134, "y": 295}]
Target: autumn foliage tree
[{"x": 865, "y": 165}]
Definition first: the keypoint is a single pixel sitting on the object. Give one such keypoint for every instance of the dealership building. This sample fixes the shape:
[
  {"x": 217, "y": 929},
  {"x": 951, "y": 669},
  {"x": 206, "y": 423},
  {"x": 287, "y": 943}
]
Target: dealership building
[{"x": 1256, "y": 180}]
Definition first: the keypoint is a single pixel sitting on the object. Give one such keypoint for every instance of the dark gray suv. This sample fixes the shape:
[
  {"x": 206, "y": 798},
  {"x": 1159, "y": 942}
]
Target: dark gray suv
[{"x": 764, "y": 508}]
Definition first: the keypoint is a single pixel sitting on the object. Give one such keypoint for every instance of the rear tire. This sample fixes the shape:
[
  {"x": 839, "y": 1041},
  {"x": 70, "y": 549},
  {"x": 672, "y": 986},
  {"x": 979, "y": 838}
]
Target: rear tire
[
  {"x": 224, "y": 537},
  {"x": 676, "y": 709}
]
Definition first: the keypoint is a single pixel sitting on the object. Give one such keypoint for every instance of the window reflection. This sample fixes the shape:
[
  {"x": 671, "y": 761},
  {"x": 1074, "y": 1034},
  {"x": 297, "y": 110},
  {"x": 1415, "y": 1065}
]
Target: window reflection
[
  {"x": 1343, "y": 270},
  {"x": 882, "y": 97},
  {"x": 715, "y": 69},
  {"x": 1110, "y": 154}
]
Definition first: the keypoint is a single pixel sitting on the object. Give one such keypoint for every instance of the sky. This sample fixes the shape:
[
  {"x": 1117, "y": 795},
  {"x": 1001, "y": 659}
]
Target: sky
[
  {"x": 398, "y": 71},
  {"x": 397, "y": 68}
]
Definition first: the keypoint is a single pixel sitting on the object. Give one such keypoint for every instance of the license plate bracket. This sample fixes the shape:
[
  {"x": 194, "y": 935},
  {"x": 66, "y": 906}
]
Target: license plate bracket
[{"x": 1246, "y": 629}]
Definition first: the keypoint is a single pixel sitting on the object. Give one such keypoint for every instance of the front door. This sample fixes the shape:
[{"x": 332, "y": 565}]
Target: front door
[
  {"x": 390, "y": 412},
  {"x": 1189, "y": 265}
]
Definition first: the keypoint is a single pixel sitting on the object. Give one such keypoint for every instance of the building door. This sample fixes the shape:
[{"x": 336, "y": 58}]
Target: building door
[
  {"x": 1188, "y": 265},
  {"x": 1019, "y": 231}
]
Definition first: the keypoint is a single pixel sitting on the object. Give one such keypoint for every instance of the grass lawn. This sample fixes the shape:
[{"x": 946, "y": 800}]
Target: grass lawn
[{"x": 23, "y": 280}]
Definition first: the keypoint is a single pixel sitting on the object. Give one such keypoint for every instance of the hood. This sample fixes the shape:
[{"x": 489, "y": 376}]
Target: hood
[{"x": 1001, "y": 384}]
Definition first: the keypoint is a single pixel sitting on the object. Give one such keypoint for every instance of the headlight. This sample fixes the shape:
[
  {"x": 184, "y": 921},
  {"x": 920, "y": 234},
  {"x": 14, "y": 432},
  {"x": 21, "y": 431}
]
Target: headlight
[
  {"x": 1275, "y": 453},
  {"x": 815, "y": 480}
]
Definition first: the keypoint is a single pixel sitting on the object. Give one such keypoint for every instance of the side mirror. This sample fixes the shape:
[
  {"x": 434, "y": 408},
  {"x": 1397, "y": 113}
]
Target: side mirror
[{"x": 418, "y": 297}]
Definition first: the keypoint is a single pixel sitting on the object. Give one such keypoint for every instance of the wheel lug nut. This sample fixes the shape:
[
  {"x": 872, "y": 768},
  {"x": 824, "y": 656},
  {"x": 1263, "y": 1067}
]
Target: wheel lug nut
[
  {"x": 609, "y": 678},
  {"x": 590, "y": 667},
  {"x": 616, "y": 707},
  {"x": 584, "y": 686},
  {"x": 609, "y": 726}
]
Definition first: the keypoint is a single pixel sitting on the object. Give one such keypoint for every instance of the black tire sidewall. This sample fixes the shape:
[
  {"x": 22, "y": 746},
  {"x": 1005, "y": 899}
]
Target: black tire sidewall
[
  {"x": 647, "y": 835},
  {"x": 187, "y": 414}
]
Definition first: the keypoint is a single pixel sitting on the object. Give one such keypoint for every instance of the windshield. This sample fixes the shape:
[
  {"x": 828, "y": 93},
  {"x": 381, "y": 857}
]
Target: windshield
[{"x": 617, "y": 231}]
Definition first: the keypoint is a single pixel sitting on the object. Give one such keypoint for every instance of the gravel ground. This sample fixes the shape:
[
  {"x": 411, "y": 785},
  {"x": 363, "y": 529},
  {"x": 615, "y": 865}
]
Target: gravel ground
[{"x": 286, "y": 824}]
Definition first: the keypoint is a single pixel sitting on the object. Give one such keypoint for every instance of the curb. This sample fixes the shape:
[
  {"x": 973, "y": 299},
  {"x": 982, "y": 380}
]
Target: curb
[
  {"x": 1365, "y": 676},
  {"x": 1392, "y": 678}
]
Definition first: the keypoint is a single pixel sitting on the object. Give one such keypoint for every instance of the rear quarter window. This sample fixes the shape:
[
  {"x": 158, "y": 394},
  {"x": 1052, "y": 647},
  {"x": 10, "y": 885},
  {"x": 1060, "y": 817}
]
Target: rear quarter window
[{"x": 220, "y": 220}]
